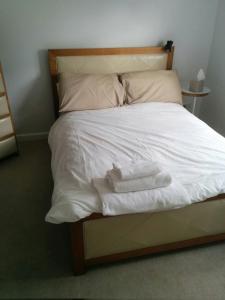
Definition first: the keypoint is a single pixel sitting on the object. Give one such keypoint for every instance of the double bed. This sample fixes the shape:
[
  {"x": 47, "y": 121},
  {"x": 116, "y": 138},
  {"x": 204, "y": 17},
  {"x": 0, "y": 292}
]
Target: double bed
[{"x": 85, "y": 143}]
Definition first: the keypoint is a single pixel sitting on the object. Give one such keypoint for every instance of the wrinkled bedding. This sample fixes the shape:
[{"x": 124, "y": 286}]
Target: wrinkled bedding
[{"x": 84, "y": 145}]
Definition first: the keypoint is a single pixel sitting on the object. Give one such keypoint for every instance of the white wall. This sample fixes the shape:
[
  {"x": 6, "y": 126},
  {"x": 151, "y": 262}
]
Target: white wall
[
  {"x": 213, "y": 107},
  {"x": 29, "y": 27}
]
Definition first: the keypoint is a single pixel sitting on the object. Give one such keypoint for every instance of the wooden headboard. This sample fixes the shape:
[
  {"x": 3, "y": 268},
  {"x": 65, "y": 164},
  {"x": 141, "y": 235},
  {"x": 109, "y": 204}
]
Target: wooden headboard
[{"x": 106, "y": 60}]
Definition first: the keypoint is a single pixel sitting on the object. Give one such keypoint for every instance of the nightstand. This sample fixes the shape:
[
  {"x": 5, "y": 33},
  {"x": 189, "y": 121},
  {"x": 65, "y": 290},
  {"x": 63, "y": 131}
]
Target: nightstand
[
  {"x": 195, "y": 95},
  {"x": 8, "y": 144}
]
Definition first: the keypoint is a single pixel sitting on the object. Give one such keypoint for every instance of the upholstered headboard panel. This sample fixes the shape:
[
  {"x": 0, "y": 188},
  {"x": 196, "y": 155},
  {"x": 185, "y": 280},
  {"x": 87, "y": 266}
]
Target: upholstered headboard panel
[
  {"x": 107, "y": 60},
  {"x": 111, "y": 63}
]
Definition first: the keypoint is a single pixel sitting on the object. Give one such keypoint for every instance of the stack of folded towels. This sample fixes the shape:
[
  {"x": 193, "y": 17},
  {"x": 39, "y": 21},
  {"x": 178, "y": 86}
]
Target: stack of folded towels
[
  {"x": 139, "y": 176},
  {"x": 139, "y": 187}
]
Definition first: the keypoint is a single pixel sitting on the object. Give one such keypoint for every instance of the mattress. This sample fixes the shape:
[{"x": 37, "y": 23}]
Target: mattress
[{"x": 84, "y": 145}]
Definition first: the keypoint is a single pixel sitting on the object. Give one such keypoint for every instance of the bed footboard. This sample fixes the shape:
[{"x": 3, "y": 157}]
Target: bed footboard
[{"x": 137, "y": 235}]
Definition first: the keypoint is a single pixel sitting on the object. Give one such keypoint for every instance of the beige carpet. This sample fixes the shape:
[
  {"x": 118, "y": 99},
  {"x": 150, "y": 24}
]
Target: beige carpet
[{"x": 35, "y": 256}]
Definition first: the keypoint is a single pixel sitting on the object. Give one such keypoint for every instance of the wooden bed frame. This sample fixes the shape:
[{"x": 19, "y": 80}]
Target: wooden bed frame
[{"x": 77, "y": 228}]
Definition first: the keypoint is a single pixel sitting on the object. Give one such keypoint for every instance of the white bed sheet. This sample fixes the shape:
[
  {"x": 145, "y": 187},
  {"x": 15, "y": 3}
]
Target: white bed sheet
[{"x": 85, "y": 144}]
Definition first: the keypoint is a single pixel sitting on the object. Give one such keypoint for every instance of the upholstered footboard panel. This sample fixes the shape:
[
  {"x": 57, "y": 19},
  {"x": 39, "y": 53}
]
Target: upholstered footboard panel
[{"x": 118, "y": 234}]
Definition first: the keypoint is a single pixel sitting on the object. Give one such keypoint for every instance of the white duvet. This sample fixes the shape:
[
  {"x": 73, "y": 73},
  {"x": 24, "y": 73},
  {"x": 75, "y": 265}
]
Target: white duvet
[{"x": 85, "y": 144}]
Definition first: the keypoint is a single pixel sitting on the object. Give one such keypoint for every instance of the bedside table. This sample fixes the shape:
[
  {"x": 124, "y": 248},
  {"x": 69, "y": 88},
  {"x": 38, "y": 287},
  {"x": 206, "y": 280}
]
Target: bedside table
[{"x": 195, "y": 95}]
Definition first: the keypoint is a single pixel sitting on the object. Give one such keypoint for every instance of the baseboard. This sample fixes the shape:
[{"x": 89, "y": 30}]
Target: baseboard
[{"x": 32, "y": 136}]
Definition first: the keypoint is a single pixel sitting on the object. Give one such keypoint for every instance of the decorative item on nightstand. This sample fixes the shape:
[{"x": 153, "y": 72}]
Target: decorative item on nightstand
[
  {"x": 196, "y": 88},
  {"x": 8, "y": 143}
]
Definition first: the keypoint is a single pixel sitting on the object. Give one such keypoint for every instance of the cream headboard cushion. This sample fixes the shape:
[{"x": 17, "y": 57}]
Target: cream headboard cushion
[{"x": 104, "y": 64}]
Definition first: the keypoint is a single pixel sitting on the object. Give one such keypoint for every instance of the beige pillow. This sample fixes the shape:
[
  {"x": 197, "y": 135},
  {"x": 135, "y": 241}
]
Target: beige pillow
[
  {"x": 152, "y": 86},
  {"x": 89, "y": 91}
]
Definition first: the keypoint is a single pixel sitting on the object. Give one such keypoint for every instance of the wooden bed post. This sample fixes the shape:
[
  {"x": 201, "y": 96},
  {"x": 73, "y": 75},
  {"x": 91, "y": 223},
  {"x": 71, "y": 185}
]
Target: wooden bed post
[
  {"x": 169, "y": 64},
  {"x": 77, "y": 239},
  {"x": 54, "y": 73}
]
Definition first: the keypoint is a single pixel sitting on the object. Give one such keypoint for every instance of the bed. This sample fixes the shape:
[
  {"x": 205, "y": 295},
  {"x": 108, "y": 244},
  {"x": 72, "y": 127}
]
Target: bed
[{"x": 167, "y": 132}]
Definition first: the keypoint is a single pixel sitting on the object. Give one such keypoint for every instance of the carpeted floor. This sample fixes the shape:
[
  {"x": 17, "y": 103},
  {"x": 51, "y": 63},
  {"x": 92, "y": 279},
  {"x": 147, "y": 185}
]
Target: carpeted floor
[{"x": 35, "y": 256}]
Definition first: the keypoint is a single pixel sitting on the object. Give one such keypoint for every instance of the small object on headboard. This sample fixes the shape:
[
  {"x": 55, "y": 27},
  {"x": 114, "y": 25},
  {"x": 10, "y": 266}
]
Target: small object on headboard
[{"x": 168, "y": 46}]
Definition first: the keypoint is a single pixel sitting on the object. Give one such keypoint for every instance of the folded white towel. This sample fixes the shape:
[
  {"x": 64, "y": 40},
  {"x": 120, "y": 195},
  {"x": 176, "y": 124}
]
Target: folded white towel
[
  {"x": 161, "y": 179},
  {"x": 170, "y": 197},
  {"x": 136, "y": 169}
]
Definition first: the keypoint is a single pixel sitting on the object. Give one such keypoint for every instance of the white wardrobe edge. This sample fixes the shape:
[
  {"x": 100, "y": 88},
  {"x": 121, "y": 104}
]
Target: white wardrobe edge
[{"x": 32, "y": 136}]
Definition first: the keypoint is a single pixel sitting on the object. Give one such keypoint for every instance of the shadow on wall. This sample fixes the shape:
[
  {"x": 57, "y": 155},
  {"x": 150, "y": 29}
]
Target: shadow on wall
[
  {"x": 37, "y": 106},
  {"x": 210, "y": 110}
]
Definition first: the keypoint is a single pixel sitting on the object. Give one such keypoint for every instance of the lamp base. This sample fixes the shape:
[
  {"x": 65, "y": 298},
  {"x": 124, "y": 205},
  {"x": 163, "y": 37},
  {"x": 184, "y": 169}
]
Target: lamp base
[{"x": 196, "y": 86}]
